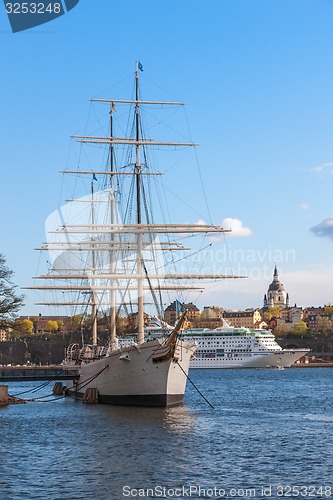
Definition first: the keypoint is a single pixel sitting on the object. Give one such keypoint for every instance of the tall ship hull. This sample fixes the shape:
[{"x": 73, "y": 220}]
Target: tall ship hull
[
  {"x": 151, "y": 374},
  {"x": 229, "y": 347}
]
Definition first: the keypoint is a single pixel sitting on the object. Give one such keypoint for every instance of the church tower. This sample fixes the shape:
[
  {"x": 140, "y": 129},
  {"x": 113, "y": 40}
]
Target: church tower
[{"x": 276, "y": 294}]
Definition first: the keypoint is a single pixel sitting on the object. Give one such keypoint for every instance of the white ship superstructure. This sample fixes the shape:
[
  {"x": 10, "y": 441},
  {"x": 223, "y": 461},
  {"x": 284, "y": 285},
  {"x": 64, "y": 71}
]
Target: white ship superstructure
[{"x": 231, "y": 347}]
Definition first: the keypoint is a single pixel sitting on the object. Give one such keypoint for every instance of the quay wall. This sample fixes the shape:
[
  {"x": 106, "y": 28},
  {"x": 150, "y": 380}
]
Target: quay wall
[{"x": 26, "y": 373}]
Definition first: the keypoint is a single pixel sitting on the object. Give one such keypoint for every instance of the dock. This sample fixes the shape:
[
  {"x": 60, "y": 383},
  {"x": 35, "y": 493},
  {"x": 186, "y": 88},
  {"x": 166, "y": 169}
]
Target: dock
[{"x": 32, "y": 373}]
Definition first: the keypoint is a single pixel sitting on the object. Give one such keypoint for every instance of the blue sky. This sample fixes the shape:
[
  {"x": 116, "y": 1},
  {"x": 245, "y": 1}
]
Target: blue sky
[{"x": 257, "y": 77}]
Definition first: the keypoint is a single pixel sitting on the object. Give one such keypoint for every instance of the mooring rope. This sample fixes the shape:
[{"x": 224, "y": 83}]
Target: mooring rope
[
  {"x": 195, "y": 387},
  {"x": 86, "y": 382},
  {"x": 41, "y": 386},
  {"x": 37, "y": 400}
]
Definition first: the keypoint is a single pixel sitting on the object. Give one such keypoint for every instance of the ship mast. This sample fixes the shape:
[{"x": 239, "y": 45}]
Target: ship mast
[
  {"x": 94, "y": 304},
  {"x": 112, "y": 221},
  {"x": 138, "y": 210}
]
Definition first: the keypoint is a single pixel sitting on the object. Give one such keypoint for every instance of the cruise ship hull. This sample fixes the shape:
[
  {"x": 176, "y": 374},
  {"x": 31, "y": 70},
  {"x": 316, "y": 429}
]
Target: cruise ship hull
[{"x": 279, "y": 359}]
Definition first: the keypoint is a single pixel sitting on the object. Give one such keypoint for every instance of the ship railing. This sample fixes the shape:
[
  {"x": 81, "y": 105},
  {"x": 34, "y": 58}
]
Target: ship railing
[{"x": 73, "y": 352}]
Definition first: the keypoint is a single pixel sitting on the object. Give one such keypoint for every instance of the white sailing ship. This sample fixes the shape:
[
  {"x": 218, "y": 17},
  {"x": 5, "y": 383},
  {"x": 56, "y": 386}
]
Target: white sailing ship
[{"x": 108, "y": 256}]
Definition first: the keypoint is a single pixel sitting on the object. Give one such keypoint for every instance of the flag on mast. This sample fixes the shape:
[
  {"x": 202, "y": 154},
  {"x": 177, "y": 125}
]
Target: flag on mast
[{"x": 179, "y": 307}]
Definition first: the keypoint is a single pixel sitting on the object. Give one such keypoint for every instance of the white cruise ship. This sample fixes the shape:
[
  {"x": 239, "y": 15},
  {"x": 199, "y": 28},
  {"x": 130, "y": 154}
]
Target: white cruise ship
[{"x": 231, "y": 347}]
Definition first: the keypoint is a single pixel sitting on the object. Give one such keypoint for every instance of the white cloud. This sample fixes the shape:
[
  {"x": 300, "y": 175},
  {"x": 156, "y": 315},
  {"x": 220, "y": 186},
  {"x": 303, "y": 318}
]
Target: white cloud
[
  {"x": 235, "y": 225},
  {"x": 324, "y": 168},
  {"x": 305, "y": 206},
  {"x": 237, "y": 228},
  {"x": 324, "y": 229}
]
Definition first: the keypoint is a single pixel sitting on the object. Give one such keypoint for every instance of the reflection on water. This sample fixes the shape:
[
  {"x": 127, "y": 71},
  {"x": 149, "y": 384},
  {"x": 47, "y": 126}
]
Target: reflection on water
[
  {"x": 179, "y": 419},
  {"x": 174, "y": 419},
  {"x": 268, "y": 427}
]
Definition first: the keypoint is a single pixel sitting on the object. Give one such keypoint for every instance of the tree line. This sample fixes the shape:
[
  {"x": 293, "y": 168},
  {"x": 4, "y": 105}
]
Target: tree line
[{"x": 10, "y": 301}]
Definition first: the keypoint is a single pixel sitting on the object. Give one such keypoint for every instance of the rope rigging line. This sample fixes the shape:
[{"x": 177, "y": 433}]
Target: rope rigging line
[
  {"x": 199, "y": 170},
  {"x": 156, "y": 303},
  {"x": 174, "y": 261}
]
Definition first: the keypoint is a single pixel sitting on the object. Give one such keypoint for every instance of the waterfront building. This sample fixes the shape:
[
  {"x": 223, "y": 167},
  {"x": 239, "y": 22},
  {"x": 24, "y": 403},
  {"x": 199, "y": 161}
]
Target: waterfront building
[
  {"x": 311, "y": 316},
  {"x": 292, "y": 315},
  {"x": 210, "y": 323},
  {"x": 211, "y": 317},
  {"x": 174, "y": 310},
  {"x": 210, "y": 312},
  {"x": 247, "y": 319},
  {"x": 3, "y": 336}
]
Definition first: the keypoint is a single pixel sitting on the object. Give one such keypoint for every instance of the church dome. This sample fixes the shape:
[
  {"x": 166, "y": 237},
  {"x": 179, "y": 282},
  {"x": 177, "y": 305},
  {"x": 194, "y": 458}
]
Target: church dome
[{"x": 276, "y": 286}]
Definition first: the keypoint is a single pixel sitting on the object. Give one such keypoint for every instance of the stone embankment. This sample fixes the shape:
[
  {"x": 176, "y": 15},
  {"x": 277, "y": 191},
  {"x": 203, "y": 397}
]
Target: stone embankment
[{"x": 6, "y": 399}]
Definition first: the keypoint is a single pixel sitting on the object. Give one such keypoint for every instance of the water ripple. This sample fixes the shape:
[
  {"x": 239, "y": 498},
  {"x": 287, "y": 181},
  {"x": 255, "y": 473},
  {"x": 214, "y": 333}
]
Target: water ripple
[{"x": 268, "y": 428}]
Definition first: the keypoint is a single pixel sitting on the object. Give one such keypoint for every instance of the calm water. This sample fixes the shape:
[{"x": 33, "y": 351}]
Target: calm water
[{"x": 269, "y": 428}]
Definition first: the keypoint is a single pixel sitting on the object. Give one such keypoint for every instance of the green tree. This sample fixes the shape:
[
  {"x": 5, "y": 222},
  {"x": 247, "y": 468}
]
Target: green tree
[
  {"x": 272, "y": 312},
  {"x": 324, "y": 325},
  {"x": 10, "y": 302},
  {"x": 61, "y": 324},
  {"x": 300, "y": 328},
  {"x": 23, "y": 327},
  {"x": 51, "y": 326},
  {"x": 76, "y": 323},
  {"x": 281, "y": 331}
]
